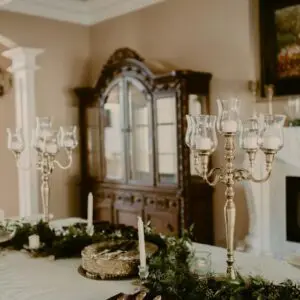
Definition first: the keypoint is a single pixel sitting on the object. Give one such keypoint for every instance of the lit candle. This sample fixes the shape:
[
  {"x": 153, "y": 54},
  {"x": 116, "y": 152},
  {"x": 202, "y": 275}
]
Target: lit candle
[
  {"x": 68, "y": 143},
  {"x": 52, "y": 149},
  {"x": 203, "y": 143},
  {"x": 271, "y": 142},
  {"x": 90, "y": 210},
  {"x": 229, "y": 126},
  {"x": 250, "y": 142},
  {"x": 142, "y": 249},
  {"x": 34, "y": 241}
]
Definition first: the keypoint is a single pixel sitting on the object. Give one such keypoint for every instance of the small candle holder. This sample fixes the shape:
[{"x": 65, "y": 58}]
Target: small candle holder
[
  {"x": 90, "y": 230},
  {"x": 143, "y": 273}
]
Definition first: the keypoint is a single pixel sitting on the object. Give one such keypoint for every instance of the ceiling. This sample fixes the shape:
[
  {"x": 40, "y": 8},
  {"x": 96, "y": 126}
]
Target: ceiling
[{"x": 85, "y": 12}]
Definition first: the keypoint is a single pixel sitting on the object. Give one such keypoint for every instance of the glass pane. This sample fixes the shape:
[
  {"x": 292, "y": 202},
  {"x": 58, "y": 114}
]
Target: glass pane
[
  {"x": 166, "y": 140},
  {"x": 113, "y": 136},
  {"x": 140, "y": 154}
]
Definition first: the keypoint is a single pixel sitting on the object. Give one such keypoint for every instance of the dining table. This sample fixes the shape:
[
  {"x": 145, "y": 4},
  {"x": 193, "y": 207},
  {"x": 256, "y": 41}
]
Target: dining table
[{"x": 23, "y": 277}]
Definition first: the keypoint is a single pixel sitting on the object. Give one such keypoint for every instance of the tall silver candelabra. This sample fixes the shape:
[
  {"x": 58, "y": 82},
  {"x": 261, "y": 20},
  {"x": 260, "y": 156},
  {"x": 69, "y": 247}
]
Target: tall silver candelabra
[
  {"x": 47, "y": 143},
  {"x": 264, "y": 132}
]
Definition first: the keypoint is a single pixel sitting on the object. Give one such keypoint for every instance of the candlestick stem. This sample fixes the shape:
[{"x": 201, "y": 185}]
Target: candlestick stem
[{"x": 229, "y": 208}]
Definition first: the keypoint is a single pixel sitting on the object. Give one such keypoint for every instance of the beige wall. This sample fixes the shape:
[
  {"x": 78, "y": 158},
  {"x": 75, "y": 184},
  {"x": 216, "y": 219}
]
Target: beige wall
[
  {"x": 8, "y": 172},
  {"x": 64, "y": 64},
  {"x": 201, "y": 35}
]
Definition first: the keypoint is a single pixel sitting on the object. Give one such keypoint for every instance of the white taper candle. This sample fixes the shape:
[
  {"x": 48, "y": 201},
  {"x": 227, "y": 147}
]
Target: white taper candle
[
  {"x": 142, "y": 249},
  {"x": 90, "y": 210}
]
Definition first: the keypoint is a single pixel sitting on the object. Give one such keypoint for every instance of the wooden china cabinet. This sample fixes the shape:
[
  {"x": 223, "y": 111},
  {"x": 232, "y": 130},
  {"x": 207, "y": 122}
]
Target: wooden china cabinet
[{"x": 133, "y": 153}]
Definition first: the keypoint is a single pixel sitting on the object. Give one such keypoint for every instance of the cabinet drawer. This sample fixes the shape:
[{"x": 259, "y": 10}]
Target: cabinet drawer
[{"x": 163, "y": 213}]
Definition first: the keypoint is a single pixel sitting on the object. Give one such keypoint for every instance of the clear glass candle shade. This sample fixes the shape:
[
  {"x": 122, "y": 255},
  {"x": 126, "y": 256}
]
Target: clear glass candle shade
[
  {"x": 43, "y": 127},
  {"x": 52, "y": 143},
  {"x": 201, "y": 133},
  {"x": 15, "y": 141},
  {"x": 228, "y": 116},
  {"x": 271, "y": 134},
  {"x": 45, "y": 143},
  {"x": 292, "y": 109},
  {"x": 249, "y": 137},
  {"x": 68, "y": 137}
]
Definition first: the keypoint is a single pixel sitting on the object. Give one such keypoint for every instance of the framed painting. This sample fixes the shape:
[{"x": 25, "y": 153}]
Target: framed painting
[{"x": 280, "y": 45}]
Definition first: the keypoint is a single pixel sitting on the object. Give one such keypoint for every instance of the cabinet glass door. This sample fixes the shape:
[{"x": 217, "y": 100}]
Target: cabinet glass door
[
  {"x": 166, "y": 148},
  {"x": 113, "y": 134},
  {"x": 139, "y": 143}
]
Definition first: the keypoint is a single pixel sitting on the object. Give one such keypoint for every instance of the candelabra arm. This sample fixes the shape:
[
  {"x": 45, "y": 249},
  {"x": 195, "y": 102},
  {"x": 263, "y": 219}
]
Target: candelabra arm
[
  {"x": 243, "y": 174},
  {"x": 68, "y": 165},
  {"x": 214, "y": 176},
  {"x": 256, "y": 180}
]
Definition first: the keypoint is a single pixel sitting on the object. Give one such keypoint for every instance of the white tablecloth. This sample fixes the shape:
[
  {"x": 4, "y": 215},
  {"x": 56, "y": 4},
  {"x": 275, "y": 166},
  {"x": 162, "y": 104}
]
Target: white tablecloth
[{"x": 25, "y": 278}]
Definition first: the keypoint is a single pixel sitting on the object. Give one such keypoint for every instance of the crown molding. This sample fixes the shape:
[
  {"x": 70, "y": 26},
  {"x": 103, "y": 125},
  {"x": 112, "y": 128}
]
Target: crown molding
[{"x": 89, "y": 12}]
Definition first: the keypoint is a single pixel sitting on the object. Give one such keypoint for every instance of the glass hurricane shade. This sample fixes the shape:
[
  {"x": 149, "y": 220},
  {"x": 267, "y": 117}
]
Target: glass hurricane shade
[
  {"x": 201, "y": 133},
  {"x": 15, "y": 141},
  {"x": 44, "y": 138},
  {"x": 271, "y": 134},
  {"x": 228, "y": 116},
  {"x": 250, "y": 135},
  {"x": 264, "y": 132},
  {"x": 68, "y": 137}
]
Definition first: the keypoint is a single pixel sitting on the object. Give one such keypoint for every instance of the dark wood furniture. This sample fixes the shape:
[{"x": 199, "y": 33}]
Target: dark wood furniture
[{"x": 133, "y": 155}]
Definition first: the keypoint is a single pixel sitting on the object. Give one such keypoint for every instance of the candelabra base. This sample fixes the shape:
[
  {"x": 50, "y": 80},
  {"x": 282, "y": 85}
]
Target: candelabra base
[{"x": 231, "y": 273}]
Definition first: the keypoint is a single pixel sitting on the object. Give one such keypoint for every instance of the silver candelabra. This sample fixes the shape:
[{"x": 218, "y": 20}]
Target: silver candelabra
[
  {"x": 264, "y": 132},
  {"x": 47, "y": 143}
]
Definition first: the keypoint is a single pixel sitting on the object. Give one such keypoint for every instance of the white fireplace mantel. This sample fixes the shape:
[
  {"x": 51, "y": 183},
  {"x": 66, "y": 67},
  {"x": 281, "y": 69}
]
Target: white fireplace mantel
[{"x": 267, "y": 203}]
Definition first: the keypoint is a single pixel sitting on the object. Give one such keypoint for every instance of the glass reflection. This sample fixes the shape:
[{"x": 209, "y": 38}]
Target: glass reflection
[
  {"x": 166, "y": 140},
  {"x": 113, "y": 139},
  {"x": 140, "y": 154}
]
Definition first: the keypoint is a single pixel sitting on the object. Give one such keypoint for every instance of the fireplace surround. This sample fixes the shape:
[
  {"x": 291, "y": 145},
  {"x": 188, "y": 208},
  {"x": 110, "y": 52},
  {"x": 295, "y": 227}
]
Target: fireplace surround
[
  {"x": 293, "y": 209},
  {"x": 274, "y": 206}
]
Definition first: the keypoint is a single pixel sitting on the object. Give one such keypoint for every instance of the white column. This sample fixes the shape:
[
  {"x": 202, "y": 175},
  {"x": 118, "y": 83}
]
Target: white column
[{"x": 23, "y": 70}]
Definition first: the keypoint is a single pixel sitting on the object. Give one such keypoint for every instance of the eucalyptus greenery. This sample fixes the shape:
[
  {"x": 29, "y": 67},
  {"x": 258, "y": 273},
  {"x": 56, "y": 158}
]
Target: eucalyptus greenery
[
  {"x": 171, "y": 277},
  {"x": 67, "y": 241},
  {"x": 170, "y": 274}
]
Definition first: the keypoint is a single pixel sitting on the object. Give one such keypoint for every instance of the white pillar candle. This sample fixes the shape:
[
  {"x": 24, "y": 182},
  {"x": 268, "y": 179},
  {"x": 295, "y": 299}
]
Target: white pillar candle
[
  {"x": 229, "y": 126},
  {"x": 90, "y": 210},
  {"x": 203, "y": 143},
  {"x": 34, "y": 241},
  {"x": 271, "y": 142},
  {"x": 250, "y": 142},
  {"x": 142, "y": 248},
  {"x": 68, "y": 143},
  {"x": 52, "y": 149}
]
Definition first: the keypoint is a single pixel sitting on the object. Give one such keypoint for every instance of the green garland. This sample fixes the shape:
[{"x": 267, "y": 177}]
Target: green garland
[
  {"x": 68, "y": 241},
  {"x": 169, "y": 275}
]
